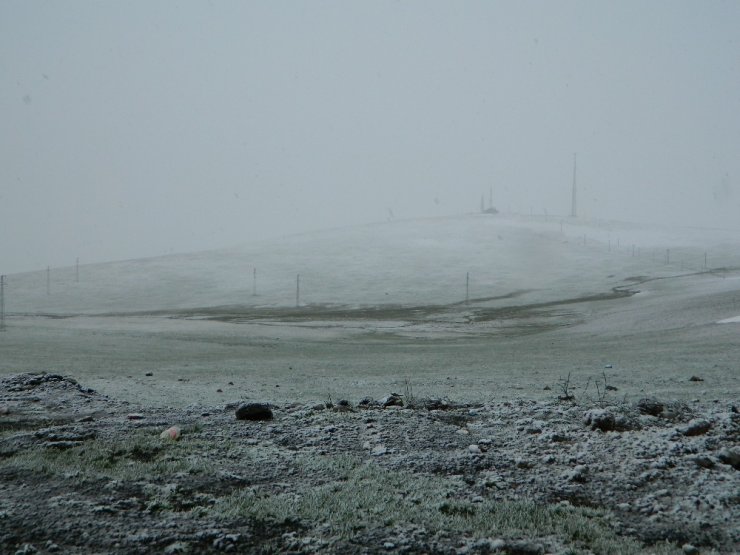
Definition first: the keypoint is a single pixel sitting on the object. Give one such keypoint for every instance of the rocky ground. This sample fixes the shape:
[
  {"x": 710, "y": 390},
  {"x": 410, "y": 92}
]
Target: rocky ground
[{"x": 83, "y": 473}]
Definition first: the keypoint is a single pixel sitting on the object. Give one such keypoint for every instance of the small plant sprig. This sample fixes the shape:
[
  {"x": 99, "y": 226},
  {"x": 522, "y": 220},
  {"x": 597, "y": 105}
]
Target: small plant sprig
[
  {"x": 408, "y": 393},
  {"x": 564, "y": 386}
]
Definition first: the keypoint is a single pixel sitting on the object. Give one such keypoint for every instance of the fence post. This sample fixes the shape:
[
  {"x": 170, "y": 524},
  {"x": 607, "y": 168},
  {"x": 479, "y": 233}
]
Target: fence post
[
  {"x": 254, "y": 283},
  {"x": 2, "y": 303}
]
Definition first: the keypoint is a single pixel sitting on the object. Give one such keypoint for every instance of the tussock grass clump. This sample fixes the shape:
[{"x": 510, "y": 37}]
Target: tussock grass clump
[
  {"x": 364, "y": 496},
  {"x": 137, "y": 456}
]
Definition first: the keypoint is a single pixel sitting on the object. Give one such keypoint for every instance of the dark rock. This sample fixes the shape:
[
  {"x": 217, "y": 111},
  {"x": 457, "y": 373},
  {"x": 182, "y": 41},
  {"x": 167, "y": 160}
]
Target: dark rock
[
  {"x": 696, "y": 379},
  {"x": 254, "y": 411},
  {"x": 600, "y": 419},
  {"x": 392, "y": 400},
  {"x": 367, "y": 402},
  {"x": 343, "y": 406},
  {"x": 650, "y": 406},
  {"x": 696, "y": 427}
]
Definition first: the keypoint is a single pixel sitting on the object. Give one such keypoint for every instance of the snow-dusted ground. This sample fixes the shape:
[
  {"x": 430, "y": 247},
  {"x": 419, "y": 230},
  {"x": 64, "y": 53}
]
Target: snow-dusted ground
[
  {"x": 383, "y": 303},
  {"x": 405, "y": 262},
  {"x": 735, "y": 320}
]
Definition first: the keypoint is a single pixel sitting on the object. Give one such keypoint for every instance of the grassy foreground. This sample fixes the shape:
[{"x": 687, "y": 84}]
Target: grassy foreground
[{"x": 327, "y": 498}]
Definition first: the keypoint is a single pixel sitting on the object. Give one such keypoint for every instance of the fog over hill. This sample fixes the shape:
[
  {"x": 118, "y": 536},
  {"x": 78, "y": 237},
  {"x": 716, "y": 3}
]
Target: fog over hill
[{"x": 431, "y": 261}]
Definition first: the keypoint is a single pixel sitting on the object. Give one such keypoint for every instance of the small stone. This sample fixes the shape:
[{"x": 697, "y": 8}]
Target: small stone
[
  {"x": 696, "y": 427},
  {"x": 389, "y": 545},
  {"x": 696, "y": 379},
  {"x": 135, "y": 416},
  {"x": 378, "y": 451},
  {"x": 173, "y": 432},
  {"x": 254, "y": 411},
  {"x": 4, "y": 409},
  {"x": 474, "y": 449},
  {"x": 689, "y": 549},
  {"x": 703, "y": 461},
  {"x": 149, "y": 374},
  {"x": 731, "y": 456},
  {"x": 547, "y": 388}
]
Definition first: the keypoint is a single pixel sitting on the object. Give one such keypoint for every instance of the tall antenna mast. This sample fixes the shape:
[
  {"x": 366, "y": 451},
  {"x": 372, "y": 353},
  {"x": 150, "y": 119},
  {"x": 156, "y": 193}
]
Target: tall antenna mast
[{"x": 573, "y": 198}]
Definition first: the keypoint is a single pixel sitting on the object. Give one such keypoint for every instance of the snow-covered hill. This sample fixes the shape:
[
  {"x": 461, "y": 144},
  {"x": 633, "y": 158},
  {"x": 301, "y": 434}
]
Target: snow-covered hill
[{"x": 407, "y": 262}]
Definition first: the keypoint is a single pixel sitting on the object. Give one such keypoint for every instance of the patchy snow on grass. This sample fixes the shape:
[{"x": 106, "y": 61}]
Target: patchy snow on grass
[{"x": 734, "y": 320}]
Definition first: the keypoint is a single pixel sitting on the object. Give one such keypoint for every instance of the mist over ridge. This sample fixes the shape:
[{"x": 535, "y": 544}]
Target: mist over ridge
[{"x": 137, "y": 130}]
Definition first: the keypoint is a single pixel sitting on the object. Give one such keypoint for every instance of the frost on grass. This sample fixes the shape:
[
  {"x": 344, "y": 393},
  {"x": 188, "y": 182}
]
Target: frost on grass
[{"x": 362, "y": 496}]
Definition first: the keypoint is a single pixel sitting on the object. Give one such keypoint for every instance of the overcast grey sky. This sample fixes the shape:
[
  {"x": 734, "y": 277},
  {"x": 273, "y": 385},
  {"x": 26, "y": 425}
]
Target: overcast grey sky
[{"x": 139, "y": 128}]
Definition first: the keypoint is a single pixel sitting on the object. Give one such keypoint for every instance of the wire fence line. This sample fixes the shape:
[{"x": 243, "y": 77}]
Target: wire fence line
[{"x": 467, "y": 285}]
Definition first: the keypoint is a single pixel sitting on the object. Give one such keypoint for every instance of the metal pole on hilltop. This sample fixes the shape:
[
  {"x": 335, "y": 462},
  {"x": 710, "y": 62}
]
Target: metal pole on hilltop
[{"x": 573, "y": 194}]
